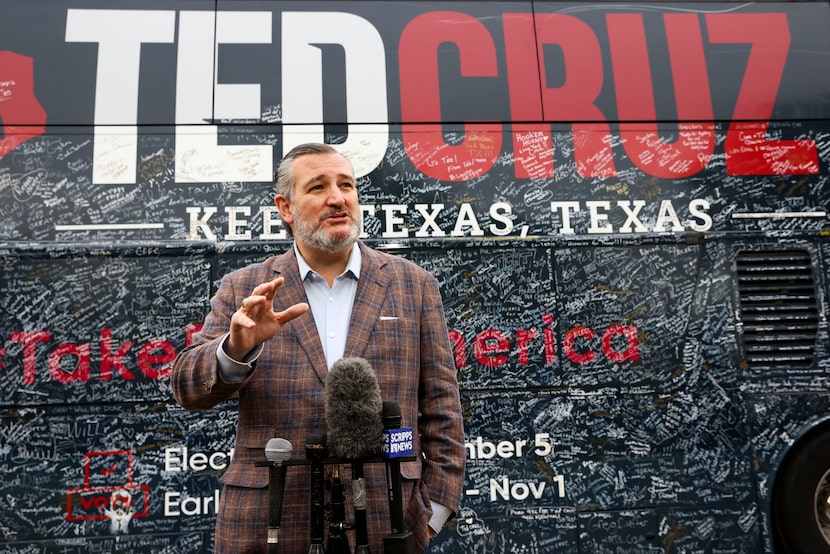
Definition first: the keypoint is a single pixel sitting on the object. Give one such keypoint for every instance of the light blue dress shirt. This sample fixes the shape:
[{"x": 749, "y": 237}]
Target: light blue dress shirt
[{"x": 331, "y": 306}]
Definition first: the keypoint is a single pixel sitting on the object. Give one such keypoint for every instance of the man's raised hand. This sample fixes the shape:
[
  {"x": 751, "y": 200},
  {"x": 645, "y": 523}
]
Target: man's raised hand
[{"x": 256, "y": 321}]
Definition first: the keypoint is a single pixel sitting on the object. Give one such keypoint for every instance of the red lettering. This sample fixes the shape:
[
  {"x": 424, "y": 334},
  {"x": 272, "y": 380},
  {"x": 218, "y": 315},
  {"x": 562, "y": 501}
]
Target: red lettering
[
  {"x": 421, "y": 96},
  {"x": 695, "y": 144},
  {"x": 147, "y": 360},
  {"x": 30, "y": 340},
  {"x": 532, "y": 143},
  {"x": 22, "y": 115},
  {"x": 575, "y": 98},
  {"x": 460, "y": 348},
  {"x": 81, "y": 371},
  {"x": 532, "y": 152},
  {"x": 769, "y": 35},
  {"x": 592, "y": 150},
  {"x": 568, "y": 345},
  {"x": 189, "y": 331},
  {"x": 489, "y": 347},
  {"x": 154, "y": 357},
  {"x": 523, "y": 338},
  {"x": 632, "y": 348},
  {"x": 688, "y": 68},
  {"x": 748, "y": 152},
  {"x": 550, "y": 339},
  {"x": 108, "y": 361},
  {"x": 99, "y": 502},
  {"x": 619, "y": 343}
]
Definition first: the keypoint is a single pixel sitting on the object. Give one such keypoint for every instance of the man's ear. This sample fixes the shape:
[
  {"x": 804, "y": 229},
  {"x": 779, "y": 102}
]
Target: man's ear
[{"x": 284, "y": 207}]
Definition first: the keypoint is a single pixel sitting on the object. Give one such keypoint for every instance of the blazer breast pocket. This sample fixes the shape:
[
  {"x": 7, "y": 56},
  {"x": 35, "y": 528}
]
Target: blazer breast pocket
[{"x": 390, "y": 332}]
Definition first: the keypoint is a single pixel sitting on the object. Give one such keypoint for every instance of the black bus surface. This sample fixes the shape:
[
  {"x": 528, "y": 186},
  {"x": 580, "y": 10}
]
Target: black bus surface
[{"x": 625, "y": 206}]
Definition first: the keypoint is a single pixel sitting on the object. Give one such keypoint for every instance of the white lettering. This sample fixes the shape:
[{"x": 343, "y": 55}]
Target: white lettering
[
  {"x": 195, "y": 67},
  {"x": 200, "y": 223},
  {"x": 199, "y": 157},
  {"x": 302, "y": 84},
  {"x": 177, "y": 504},
  {"x": 429, "y": 220},
  {"x": 271, "y": 220},
  {"x": 667, "y": 215},
  {"x": 234, "y": 222},
  {"x": 697, "y": 209},
  {"x": 631, "y": 216},
  {"x": 178, "y": 459},
  {"x": 597, "y": 217},
  {"x": 515, "y": 491},
  {"x": 501, "y": 212},
  {"x": 238, "y": 101},
  {"x": 466, "y": 218},
  {"x": 397, "y": 220},
  {"x": 391, "y": 211},
  {"x": 565, "y": 209},
  {"x": 119, "y": 34},
  {"x": 481, "y": 449}
]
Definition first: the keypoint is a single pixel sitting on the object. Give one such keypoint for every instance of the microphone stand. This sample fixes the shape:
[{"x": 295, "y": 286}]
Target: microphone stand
[
  {"x": 338, "y": 542},
  {"x": 359, "y": 502},
  {"x": 400, "y": 541},
  {"x": 316, "y": 457},
  {"x": 316, "y": 451}
]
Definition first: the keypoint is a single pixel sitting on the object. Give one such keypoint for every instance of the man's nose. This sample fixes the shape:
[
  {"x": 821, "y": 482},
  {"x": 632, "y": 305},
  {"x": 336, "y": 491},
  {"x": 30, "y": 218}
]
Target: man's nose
[{"x": 335, "y": 196}]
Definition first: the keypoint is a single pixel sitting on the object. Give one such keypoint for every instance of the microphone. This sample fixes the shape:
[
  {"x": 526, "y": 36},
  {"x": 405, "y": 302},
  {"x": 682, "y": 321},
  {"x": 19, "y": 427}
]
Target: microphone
[
  {"x": 316, "y": 451},
  {"x": 397, "y": 442},
  {"x": 352, "y": 411},
  {"x": 353, "y": 416},
  {"x": 276, "y": 452}
]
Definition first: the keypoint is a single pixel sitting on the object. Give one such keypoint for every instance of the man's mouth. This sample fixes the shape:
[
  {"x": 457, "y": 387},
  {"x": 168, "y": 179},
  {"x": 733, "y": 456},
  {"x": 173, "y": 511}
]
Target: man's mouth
[{"x": 338, "y": 215}]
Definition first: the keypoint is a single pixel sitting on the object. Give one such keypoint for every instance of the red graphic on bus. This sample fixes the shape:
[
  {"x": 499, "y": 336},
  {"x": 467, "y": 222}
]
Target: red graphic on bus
[{"x": 108, "y": 491}]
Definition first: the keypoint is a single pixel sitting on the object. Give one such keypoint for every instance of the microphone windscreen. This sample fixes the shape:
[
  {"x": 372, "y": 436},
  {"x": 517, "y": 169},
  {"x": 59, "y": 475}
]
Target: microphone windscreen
[
  {"x": 278, "y": 450},
  {"x": 353, "y": 408}
]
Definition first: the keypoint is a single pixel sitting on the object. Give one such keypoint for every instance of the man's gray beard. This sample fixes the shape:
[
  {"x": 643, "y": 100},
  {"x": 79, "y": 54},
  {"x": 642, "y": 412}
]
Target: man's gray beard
[{"x": 321, "y": 240}]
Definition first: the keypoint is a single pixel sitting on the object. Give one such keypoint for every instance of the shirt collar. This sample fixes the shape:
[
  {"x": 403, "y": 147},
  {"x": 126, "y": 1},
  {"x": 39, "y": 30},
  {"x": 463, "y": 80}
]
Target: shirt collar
[{"x": 352, "y": 266}]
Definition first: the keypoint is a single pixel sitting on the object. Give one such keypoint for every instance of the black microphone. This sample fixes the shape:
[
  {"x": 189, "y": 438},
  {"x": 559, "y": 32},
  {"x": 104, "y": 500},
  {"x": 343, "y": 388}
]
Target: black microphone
[
  {"x": 316, "y": 451},
  {"x": 276, "y": 452},
  {"x": 353, "y": 416},
  {"x": 398, "y": 442}
]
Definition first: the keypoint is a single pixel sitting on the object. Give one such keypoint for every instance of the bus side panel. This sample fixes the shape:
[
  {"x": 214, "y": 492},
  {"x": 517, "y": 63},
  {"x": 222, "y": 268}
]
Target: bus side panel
[
  {"x": 112, "y": 476},
  {"x": 90, "y": 325}
]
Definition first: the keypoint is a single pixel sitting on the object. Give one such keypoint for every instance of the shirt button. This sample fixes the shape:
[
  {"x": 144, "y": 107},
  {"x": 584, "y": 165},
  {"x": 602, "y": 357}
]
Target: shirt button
[
  {"x": 331, "y": 299},
  {"x": 331, "y": 335}
]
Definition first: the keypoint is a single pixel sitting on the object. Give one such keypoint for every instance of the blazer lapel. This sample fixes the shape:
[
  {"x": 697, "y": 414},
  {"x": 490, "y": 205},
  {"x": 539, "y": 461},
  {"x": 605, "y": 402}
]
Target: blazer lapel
[
  {"x": 371, "y": 291},
  {"x": 303, "y": 328}
]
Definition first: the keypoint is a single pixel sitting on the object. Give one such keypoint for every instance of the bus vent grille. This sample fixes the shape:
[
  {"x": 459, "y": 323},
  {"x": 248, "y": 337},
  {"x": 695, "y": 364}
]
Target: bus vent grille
[{"x": 778, "y": 309}]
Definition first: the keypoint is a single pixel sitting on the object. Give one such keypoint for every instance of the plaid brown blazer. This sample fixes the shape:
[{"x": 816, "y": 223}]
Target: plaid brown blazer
[{"x": 398, "y": 325}]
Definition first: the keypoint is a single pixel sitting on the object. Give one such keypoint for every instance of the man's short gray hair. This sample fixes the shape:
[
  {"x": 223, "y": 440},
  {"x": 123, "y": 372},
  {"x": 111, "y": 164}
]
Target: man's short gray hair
[{"x": 284, "y": 177}]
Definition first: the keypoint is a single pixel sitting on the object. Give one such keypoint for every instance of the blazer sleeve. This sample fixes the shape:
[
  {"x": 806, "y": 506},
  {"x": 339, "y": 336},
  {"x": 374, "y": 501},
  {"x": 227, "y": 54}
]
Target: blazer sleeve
[
  {"x": 440, "y": 423},
  {"x": 195, "y": 379}
]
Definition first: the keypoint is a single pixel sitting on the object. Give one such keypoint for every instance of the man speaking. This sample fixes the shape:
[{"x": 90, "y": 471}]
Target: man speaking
[{"x": 276, "y": 327}]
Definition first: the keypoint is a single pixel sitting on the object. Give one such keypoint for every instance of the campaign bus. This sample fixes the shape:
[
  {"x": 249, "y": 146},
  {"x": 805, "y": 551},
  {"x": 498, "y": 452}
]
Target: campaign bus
[{"x": 625, "y": 206}]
